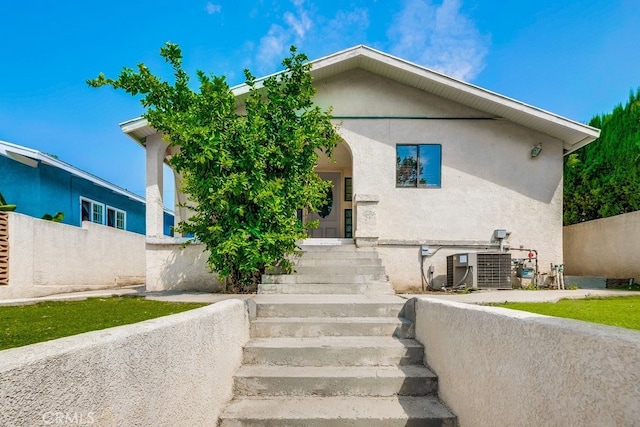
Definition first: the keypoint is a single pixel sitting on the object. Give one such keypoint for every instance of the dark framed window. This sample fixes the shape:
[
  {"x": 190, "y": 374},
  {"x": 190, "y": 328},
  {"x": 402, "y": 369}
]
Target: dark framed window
[
  {"x": 92, "y": 211},
  {"x": 116, "y": 218},
  {"x": 348, "y": 223},
  {"x": 418, "y": 165},
  {"x": 348, "y": 189}
]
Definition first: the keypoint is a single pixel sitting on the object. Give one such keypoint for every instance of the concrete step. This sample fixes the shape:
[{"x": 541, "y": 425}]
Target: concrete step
[
  {"x": 333, "y": 351},
  {"x": 345, "y": 247},
  {"x": 342, "y": 270},
  {"x": 337, "y": 411},
  {"x": 258, "y": 380},
  {"x": 323, "y": 278},
  {"x": 374, "y": 288},
  {"x": 340, "y": 253},
  {"x": 335, "y": 241},
  {"x": 328, "y": 305},
  {"x": 307, "y": 327},
  {"x": 338, "y": 261}
]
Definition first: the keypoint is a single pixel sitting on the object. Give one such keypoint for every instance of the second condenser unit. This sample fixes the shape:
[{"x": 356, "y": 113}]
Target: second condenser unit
[{"x": 479, "y": 270}]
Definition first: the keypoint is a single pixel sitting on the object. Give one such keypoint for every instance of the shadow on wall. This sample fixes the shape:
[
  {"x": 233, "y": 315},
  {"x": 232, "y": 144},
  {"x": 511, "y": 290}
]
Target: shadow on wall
[{"x": 172, "y": 267}]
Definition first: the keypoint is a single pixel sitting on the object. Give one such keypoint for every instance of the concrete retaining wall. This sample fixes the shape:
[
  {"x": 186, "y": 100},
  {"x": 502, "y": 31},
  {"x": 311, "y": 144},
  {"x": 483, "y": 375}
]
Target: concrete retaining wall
[
  {"x": 171, "y": 266},
  {"x": 500, "y": 367},
  {"x": 46, "y": 258},
  {"x": 171, "y": 371},
  {"x": 606, "y": 247}
]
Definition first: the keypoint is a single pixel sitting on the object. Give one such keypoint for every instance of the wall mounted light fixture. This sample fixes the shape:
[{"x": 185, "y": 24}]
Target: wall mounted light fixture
[{"x": 535, "y": 150}]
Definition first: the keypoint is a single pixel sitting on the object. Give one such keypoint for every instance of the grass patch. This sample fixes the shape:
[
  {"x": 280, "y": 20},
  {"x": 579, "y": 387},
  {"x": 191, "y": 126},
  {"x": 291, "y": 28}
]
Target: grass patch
[
  {"x": 623, "y": 312},
  {"x": 29, "y": 324}
]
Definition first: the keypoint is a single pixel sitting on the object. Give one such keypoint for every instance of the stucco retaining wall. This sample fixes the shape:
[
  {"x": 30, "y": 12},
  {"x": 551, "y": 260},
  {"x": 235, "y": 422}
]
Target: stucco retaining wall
[
  {"x": 171, "y": 266},
  {"x": 500, "y": 367},
  {"x": 606, "y": 247},
  {"x": 171, "y": 371},
  {"x": 47, "y": 258}
]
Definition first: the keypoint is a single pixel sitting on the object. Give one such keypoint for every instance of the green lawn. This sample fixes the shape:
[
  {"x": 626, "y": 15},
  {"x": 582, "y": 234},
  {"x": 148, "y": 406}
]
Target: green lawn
[
  {"x": 615, "y": 311},
  {"x": 29, "y": 324}
]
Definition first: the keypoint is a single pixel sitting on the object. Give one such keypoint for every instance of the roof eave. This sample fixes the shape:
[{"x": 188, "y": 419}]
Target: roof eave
[
  {"x": 137, "y": 129},
  {"x": 52, "y": 161},
  {"x": 572, "y": 134}
]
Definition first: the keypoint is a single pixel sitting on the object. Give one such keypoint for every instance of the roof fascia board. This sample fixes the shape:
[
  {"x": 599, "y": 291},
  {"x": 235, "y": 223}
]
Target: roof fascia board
[{"x": 130, "y": 126}]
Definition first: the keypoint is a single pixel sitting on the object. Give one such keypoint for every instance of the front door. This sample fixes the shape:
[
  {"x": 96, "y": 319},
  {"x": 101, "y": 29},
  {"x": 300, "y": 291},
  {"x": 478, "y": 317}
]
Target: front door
[{"x": 329, "y": 215}]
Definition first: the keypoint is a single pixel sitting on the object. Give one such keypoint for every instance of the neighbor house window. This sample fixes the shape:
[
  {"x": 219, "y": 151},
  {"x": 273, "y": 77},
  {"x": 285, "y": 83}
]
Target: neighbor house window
[
  {"x": 418, "y": 165},
  {"x": 116, "y": 218},
  {"x": 92, "y": 211}
]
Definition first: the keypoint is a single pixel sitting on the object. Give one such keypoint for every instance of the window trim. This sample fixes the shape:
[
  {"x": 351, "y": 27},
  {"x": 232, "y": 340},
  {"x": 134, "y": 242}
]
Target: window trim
[
  {"x": 92, "y": 203},
  {"x": 116, "y": 212},
  {"x": 417, "y": 185}
]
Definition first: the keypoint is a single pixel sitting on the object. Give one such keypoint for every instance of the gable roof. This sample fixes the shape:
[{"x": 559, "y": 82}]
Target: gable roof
[
  {"x": 31, "y": 157},
  {"x": 572, "y": 134}
]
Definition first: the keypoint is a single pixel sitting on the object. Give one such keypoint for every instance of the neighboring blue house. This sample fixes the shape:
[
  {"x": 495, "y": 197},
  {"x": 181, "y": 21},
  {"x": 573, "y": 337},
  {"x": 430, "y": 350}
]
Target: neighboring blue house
[{"x": 40, "y": 184}]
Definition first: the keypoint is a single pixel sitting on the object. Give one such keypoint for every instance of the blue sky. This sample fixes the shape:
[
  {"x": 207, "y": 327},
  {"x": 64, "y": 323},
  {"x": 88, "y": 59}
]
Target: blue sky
[{"x": 573, "y": 58}]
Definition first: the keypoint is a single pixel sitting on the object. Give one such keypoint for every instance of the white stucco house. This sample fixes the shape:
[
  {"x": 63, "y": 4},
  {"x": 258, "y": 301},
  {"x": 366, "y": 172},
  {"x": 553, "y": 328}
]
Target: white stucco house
[{"x": 429, "y": 166}]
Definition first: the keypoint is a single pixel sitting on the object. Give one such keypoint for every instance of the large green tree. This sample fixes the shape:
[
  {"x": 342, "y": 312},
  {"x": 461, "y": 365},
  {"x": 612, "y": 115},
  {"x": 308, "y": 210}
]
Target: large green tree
[
  {"x": 602, "y": 179},
  {"x": 247, "y": 166}
]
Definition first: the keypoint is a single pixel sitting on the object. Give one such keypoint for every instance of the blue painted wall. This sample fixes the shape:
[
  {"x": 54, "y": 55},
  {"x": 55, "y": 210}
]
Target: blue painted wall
[
  {"x": 47, "y": 189},
  {"x": 168, "y": 224}
]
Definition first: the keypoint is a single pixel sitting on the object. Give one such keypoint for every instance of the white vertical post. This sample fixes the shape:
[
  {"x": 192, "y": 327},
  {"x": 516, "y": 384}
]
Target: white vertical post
[
  {"x": 156, "y": 150},
  {"x": 366, "y": 234}
]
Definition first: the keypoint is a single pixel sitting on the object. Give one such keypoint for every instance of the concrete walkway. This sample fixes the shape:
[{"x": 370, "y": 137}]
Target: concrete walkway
[{"x": 479, "y": 297}]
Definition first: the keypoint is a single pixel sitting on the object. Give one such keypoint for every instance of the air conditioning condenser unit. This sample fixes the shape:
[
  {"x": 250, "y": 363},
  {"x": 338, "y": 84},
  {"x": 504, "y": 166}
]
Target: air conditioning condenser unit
[{"x": 479, "y": 270}]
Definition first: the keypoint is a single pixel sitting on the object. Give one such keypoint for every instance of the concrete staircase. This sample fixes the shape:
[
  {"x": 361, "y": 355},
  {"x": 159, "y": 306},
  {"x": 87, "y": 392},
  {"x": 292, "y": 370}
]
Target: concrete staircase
[
  {"x": 336, "y": 268},
  {"x": 330, "y": 347}
]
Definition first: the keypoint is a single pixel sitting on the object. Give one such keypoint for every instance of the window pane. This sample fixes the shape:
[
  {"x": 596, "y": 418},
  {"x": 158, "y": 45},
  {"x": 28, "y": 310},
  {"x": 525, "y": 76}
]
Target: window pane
[
  {"x": 348, "y": 223},
  {"x": 348, "y": 189},
  {"x": 430, "y": 165},
  {"x": 97, "y": 214},
  {"x": 111, "y": 217},
  {"x": 120, "y": 220},
  {"x": 406, "y": 165},
  {"x": 86, "y": 210}
]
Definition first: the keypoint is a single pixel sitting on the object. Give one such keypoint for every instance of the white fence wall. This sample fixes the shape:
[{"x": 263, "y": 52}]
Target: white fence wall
[
  {"x": 47, "y": 257},
  {"x": 606, "y": 247},
  {"x": 500, "y": 367},
  {"x": 171, "y": 371}
]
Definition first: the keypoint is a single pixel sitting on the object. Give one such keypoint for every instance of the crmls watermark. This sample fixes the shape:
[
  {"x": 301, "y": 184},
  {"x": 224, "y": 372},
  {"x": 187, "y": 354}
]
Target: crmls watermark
[{"x": 59, "y": 418}]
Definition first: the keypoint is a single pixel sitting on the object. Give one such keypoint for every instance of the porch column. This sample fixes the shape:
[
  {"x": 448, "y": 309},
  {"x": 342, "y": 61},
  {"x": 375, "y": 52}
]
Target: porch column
[
  {"x": 182, "y": 208},
  {"x": 156, "y": 150},
  {"x": 366, "y": 234}
]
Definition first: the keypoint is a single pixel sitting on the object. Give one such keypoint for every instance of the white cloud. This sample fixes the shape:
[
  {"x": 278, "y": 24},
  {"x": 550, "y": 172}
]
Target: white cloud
[
  {"x": 351, "y": 25},
  {"x": 272, "y": 46},
  {"x": 439, "y": 37},
  {"x": 298, "y": 24},
  {"x": 212, "y": 8},
  {"x": 293, "y": 30}
]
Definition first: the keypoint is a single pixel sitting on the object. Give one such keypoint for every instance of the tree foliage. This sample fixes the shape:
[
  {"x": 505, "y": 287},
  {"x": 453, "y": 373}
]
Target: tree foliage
[
  {"x": 247, "y": 167},
  {"x": 602, "y": 179}
]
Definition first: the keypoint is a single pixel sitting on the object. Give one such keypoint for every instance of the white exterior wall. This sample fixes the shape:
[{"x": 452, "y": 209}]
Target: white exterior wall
[
  {"x": 489, "y": 179},
  {"x": 47, "y": 258},
  {"x": 606, "y": 247},
  {"x": 500, "y": 367},
  {"x": 174, "y": 267},
  {"x": 171, "y": 371}
]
